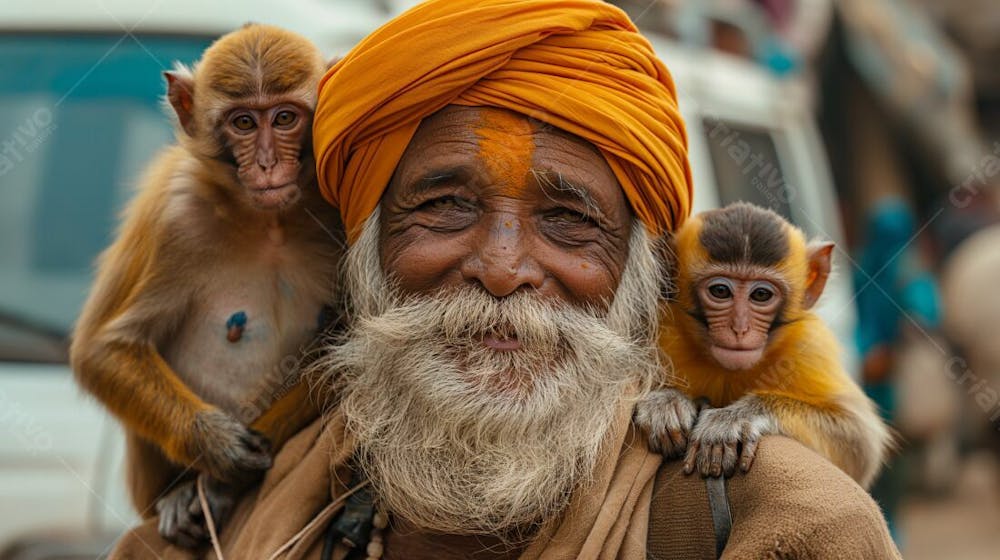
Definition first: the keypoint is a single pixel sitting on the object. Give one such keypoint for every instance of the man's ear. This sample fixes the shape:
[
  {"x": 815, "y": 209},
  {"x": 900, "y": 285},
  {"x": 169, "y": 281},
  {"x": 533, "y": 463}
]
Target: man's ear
[
  {"x": 180, "y": 94},
  {"x": 819, "y": 256}
]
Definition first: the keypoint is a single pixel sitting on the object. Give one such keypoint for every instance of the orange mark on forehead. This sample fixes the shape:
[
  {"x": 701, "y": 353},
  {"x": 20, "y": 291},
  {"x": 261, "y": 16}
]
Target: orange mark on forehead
[{"x": 506, "y": 146}]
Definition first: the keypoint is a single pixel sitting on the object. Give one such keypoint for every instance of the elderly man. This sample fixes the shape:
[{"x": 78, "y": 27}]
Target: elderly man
[{"x": 506, "y": 171}]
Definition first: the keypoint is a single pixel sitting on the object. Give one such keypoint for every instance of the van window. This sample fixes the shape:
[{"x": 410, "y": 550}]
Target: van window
[
  {"x": 747, "y": 166},
  {"x": 81, "y": 117}
]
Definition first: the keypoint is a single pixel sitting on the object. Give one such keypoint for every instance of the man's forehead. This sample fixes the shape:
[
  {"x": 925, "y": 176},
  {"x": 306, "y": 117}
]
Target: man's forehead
[
  {"x": 507, "y": 153},
  {"x": 491, "y": 132},
  {"x": 460, "y": 122}
]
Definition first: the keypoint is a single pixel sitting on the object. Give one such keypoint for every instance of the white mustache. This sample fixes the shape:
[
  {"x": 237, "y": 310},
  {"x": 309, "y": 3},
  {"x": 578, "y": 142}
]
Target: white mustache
[
  {"x": 463, "y": 316},
  {"x": 442, "y": 447}
]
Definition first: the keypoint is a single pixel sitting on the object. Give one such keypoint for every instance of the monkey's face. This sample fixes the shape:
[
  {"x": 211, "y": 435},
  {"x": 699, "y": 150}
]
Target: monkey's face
[
  {"x": 268, "y": 144},
  {"x": 248, "y": 106},
  {"x": 739, "y": 313},
  {"x": 743, "y": 272}
]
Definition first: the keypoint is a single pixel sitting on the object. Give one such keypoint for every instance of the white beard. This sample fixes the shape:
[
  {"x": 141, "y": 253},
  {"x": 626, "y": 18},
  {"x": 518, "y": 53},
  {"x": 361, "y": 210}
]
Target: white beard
[{"x": 459, "y": 438}]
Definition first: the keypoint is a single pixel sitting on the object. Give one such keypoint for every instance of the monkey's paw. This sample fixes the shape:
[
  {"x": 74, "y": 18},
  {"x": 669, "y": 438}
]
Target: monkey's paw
[
  {"x": 666, "y": 416},
  {"x": 179, "y": 523},
  {"x": 229, "y": 451},
  {"x": 182, "y": 519},
  {"x": 724, "y": 436}
]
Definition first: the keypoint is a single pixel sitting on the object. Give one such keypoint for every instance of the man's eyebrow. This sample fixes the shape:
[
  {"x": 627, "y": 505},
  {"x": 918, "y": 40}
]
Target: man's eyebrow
[
  {"x": 437, "y": 177},
  {"x": 562, "y": 187}
]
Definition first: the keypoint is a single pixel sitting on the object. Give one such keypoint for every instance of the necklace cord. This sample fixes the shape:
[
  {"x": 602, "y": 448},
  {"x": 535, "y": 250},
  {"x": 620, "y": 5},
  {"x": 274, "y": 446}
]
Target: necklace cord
[
  {"x": 214, "y": 536},
  {"x": 207, "y": 512}
]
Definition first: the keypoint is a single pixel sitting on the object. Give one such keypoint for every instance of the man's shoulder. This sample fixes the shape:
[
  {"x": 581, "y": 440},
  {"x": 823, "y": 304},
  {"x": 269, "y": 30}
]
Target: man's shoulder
[
  {"x": 804, "y": 505},
  {"x": 792, "y": 477},
  {"x": 792, "y": 502}
]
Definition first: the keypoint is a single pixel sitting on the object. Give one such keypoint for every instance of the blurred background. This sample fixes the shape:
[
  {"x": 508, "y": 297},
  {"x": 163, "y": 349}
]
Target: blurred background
[{"x": 874, "y": 123}]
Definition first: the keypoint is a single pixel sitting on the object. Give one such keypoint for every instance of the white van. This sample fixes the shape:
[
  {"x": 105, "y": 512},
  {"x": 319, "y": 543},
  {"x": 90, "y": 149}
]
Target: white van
[{"x": 79, "y": 118}]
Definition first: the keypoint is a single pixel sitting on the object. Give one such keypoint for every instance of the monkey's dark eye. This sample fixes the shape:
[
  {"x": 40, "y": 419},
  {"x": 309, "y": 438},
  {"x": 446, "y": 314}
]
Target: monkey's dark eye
[
  {"x": 720, "y": 291},
  {"x": 761, "y": 295},
  {"x": 244, "y": 122},
  {"x": 284, "y": 118}
]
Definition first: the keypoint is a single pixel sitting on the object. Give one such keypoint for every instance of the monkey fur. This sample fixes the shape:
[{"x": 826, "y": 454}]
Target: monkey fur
[
  {"x": 220, "y": 272},
  {"x": 742, "y": 337}
]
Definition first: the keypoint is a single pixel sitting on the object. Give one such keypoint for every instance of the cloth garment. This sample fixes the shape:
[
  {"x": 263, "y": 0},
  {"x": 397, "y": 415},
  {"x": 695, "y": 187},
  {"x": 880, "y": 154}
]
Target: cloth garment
[
  {"x": 792, "y": 505},
  {"x": 578, "y": 65}
]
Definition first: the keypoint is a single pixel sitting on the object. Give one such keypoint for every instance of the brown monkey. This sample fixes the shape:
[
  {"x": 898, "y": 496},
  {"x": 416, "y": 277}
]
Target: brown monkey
[
  {"x": 741, "y": 334},
  {"x": 218, "y": 278}
]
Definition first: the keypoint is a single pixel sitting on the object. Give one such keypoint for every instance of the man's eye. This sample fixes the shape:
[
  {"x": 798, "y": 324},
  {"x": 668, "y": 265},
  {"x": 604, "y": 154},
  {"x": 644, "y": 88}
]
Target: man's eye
[
  {"x": 445, "y": 203},
  {"x": 567, "y": 216},
  {"x": 446, "y": 213}
]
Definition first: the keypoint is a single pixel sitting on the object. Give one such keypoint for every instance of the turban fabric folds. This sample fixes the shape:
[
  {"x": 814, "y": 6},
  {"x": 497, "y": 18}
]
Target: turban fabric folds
[{"x": 578, "y": 65}]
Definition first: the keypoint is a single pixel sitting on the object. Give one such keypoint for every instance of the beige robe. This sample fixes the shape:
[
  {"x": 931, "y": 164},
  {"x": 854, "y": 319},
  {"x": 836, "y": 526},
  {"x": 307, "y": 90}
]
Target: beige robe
[{"x": 792, "y": 504}]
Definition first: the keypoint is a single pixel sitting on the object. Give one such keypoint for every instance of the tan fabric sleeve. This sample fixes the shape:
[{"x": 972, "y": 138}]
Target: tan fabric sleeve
[
  {"x": 680, "y": 522},
  {"x": 295, "y": 488},
  {"x": 793, "y": 504}
]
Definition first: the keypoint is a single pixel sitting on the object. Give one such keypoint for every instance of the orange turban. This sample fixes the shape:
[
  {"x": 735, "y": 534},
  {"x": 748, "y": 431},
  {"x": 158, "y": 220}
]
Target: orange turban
[{"x": 578, "y": 65}]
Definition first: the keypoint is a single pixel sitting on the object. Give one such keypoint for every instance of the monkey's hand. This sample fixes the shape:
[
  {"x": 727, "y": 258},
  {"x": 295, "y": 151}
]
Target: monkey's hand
[
  {"x": 723, "y": 435},
  {"x": 178, "y": 523},
  {"x": 228, "y": 450},
  {"x": 182, "y": 520},
  {"x": 666, "y": 415}
]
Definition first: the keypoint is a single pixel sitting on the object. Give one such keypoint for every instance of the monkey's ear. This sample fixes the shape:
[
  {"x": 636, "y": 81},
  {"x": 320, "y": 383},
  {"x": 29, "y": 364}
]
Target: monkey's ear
[
  {"x": 180, "y": 94},
  {"x": 334, "y": 61},
  {"x": 819, "y": 256}
]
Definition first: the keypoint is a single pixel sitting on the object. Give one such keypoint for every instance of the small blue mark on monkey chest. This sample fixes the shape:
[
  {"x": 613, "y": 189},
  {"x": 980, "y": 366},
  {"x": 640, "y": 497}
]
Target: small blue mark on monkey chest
[{"x": 235, "y": 325}]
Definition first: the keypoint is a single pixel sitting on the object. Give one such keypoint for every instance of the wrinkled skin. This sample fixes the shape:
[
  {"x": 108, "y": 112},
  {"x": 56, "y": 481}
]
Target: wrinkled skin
[
  {"x": 267, "y": 143},
  {"x": 487, "y": 198},
  {"x": 533, "y": 208},
  {"x": 739, "y": 312}
]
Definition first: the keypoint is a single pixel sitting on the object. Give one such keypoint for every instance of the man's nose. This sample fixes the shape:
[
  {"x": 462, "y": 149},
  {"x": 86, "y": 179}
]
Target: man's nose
[{"x": 502, "y": 260}]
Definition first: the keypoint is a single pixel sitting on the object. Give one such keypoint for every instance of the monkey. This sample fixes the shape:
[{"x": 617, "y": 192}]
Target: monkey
[
  {"x": 742, "y": 336},
  {"x": 223, "y": 266}
]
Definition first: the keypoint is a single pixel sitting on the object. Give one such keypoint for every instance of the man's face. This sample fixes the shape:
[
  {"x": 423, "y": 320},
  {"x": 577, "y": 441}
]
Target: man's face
[
  {"x": 503, "y": 317},
  {"x": 487, "y": 197}
]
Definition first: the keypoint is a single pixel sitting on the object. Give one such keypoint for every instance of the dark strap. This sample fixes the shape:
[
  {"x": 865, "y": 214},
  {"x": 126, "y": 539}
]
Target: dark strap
[
  {"x": 722, "y": 519},
  {"x": 351, "y": 527}
]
